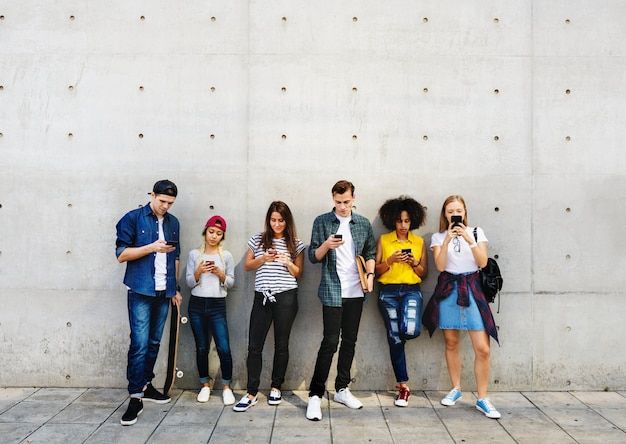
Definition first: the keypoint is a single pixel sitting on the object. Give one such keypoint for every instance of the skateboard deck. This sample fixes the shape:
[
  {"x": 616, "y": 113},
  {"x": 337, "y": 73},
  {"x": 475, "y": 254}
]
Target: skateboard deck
[{"x": 172, "y": 370}]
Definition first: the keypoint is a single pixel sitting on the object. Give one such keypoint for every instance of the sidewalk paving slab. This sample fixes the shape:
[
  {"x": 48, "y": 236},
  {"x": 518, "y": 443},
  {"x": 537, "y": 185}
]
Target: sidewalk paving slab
[{"x": 63, "y": 415}]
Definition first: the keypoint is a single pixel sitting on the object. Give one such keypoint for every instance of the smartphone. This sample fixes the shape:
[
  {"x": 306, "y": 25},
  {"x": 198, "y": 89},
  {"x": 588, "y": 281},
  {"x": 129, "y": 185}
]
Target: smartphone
[
  {"x": 338, "y": 236},
  {"x": 456, "y": 220},
  {"x": 406, "y": 251},
  {"x": 209, "y": 262},
  {"x": 272, "y": 251},
  {"x": 172, "y": 243}
]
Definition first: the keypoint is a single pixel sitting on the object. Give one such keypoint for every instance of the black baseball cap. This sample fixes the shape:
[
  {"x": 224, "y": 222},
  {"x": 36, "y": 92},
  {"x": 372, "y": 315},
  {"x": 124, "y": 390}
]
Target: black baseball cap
[{"x": 165, "y": 187}]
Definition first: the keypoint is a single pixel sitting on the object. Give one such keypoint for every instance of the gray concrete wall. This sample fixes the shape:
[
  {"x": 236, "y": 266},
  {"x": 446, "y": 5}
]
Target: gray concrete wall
[{"x": 519, "y": 106}]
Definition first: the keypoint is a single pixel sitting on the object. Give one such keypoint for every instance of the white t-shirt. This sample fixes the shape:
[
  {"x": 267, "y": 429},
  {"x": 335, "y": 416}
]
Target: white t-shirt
[
  {"x": 459, "y": 261},
  {"x": 346, "y": 262},
  {"x": 160, "y": 264}
]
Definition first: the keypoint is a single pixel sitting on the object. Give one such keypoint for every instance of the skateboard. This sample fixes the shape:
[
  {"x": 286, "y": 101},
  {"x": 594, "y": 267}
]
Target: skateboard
[{"x": 172, "y": 370}]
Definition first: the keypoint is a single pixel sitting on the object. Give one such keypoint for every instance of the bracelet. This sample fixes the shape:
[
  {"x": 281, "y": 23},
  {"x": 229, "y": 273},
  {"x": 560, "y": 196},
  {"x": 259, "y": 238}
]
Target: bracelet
[
  {"x": 368, "y": 274},
  {"x": 178, "y": 288},
  {"x": 473, "y": 245},
  {"x": 416, "y": 265}
]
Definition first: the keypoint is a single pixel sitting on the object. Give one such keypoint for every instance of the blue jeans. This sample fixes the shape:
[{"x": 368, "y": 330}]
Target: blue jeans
[
  {"x": 207, "y": 317},
  {"x": 282, "y": 313},
  {"x": 401, "y": 308},
  {"x": 146, "y": 315},
  {"x": 338, "y": 321}
]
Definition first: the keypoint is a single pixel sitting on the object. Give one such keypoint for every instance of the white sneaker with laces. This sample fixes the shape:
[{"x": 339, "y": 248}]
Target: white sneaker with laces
[
  {"x": 314, "y": 409},
  {"x": 204, "y": 394},
  {"x": 344, "y": 397},
  {"x": 227, "y": 397}
]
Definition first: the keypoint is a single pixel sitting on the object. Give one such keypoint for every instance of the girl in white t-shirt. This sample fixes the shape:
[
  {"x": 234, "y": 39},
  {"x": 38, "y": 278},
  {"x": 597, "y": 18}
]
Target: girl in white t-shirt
[{"x": 458, "y": 302}]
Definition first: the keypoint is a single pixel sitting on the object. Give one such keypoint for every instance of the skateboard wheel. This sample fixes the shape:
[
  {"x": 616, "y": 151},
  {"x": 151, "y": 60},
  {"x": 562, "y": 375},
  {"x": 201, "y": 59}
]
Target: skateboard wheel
[
  {"x": 179, "y": 374},
  {"x": 183, "y": 320}
]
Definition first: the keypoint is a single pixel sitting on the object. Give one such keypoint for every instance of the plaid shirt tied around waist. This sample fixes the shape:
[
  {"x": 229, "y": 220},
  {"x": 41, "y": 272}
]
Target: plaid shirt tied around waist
[{"x": 465, "y": 282}]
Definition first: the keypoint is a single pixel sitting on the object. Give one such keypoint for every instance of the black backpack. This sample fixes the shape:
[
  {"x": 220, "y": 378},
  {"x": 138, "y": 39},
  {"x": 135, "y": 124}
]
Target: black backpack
[{"x": 490, "y": 278}]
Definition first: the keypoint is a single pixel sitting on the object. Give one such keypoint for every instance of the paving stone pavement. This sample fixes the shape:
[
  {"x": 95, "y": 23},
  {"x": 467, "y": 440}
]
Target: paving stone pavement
[{"x": 76, "y": 415}]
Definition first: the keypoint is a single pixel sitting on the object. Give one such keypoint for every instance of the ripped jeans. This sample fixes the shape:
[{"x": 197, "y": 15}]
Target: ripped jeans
[{"x": 401, "y": 308}]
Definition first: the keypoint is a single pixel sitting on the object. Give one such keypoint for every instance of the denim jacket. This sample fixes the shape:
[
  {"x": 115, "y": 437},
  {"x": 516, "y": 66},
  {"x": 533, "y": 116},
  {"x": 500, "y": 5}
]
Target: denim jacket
[{"x": 141, "y": 227}]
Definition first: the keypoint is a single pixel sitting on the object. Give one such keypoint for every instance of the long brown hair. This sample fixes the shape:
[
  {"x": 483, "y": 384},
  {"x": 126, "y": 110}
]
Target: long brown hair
[
  {"x": 443, "y": 221},
  {"x": 267, "y": 239}
]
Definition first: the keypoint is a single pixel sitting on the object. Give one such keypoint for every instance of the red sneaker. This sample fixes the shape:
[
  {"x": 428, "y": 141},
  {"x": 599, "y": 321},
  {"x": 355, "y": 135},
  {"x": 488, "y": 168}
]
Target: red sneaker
[{"x": 402, "y": 400}]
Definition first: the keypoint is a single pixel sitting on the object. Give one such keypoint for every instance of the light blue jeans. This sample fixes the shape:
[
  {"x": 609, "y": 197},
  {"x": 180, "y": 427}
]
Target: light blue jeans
[{"x": 401, "y": 308}]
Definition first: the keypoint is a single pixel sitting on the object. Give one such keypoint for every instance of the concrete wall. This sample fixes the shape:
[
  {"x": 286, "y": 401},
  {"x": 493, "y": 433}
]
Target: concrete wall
[{"x": 519, "y": 106}]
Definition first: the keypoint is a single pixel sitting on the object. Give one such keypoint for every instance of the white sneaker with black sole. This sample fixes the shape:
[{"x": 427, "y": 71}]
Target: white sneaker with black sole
[{"x": 314, "y": 409}]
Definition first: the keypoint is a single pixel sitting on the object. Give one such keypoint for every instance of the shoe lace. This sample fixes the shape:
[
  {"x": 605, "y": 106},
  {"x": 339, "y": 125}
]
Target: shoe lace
[
  {"x": 487, "y": 405},
  {"x": 453, "y": 393},
  {"x": 404, "y": 391}
]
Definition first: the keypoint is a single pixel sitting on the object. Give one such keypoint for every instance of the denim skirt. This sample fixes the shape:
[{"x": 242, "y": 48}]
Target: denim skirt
[{"x": 455, "y": 317}]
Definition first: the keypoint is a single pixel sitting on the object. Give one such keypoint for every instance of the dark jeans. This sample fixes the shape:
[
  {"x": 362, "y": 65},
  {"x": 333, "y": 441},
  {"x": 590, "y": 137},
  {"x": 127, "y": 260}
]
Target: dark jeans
[
  {"x": 208, "y": 318},
  {"x": 146, "y": 315},
  {"x": 282, "y": 313},
  {"x": 342, "y": 320},
  {"x": 401, "y": 308}
]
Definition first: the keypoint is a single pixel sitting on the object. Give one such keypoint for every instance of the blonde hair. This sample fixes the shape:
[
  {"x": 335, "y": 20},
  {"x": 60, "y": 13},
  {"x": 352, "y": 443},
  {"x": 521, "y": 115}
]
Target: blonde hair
[
  {"x": 220, "y": 251},
  {"x": 443, "y": 220}
]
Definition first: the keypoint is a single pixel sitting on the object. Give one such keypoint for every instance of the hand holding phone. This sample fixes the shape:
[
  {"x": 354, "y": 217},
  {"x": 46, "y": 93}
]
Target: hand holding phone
[
  {"x": 406, "y": 254},
  {"x": 456, "y": 221},
  {"x": 172, "y": 243},
  {"x": 334, "y": 241}
]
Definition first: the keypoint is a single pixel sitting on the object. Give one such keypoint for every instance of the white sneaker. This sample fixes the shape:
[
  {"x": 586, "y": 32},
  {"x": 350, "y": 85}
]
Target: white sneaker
[
  {"x": 275, "y": 397},
  {"x": 204, "y": 394},
  {"x": 245, "y": 403},
  {"x": 314, "y": 409},
  {"x": 228, "y": 397},
  {"x": 344, "y": 396}
]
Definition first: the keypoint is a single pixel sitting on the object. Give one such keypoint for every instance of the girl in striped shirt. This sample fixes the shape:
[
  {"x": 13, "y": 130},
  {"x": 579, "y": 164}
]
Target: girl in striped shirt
[{"x": 277, "y": 256}]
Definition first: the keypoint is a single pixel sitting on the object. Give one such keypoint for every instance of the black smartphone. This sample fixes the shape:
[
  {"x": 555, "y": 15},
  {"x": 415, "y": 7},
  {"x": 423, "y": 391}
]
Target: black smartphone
[
  {"x": 339, "y": 236},
  {"x": 209, "y": 262},
  {"x": 172, "y": 243},
  {"x": 456, "y": 220},
  {"x": 406, "y": 251}
]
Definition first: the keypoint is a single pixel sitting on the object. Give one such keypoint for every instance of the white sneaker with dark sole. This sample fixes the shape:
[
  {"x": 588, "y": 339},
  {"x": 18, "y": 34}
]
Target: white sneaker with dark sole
[{"x": 314, "y": 409}]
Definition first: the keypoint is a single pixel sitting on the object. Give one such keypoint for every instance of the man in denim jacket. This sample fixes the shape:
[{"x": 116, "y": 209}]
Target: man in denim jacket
[{"x": 147, "y": 240}]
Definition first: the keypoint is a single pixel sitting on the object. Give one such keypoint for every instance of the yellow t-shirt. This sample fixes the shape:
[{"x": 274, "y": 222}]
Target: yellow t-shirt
[{"x": 400, "y": 273}]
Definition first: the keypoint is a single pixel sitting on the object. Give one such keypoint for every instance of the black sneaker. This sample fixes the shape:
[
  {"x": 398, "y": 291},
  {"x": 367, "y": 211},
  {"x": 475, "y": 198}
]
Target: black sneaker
[
  {"x": 151, "y": 394},
  {"x": 135, "y": 407}
]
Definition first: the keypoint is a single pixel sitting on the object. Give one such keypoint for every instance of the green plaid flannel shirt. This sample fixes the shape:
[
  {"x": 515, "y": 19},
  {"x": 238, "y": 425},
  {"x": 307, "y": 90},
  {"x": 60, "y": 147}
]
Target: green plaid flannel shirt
[{"x": 324, "y": 225}]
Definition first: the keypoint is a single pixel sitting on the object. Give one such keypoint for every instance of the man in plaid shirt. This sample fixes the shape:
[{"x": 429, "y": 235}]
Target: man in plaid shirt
[{"x": 337, "y": 238}]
